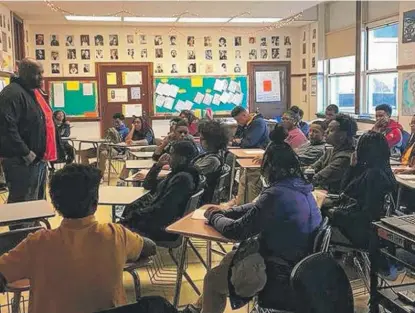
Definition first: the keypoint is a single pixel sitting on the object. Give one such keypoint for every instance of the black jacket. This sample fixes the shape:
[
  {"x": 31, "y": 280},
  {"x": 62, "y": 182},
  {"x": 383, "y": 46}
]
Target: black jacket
[
  {"x": 168, "y": 204},
  {"x": 22, "y": 122}
]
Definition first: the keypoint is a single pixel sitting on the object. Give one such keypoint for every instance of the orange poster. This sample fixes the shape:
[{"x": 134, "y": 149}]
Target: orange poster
[{"x": 267, "y": 85}]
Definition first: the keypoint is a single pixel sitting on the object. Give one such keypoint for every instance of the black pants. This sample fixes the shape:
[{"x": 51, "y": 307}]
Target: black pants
[{"x": 26, "y": 183}]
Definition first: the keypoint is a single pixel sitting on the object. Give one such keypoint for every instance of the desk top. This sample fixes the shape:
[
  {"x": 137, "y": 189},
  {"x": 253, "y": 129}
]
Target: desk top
[
  {"x": 90, "y": 140},
  {"x": 394, "y": 162},
  {"x": 142, "y": 154},
  {"x": 68, "y": 138},
  {"x": 113, "y": 195},
  {"x": 246, "y": 153},
  {"x": 410, "y": 183},
  {"x": 194, "y": 228},
  {"x": 138, "y": 148},
  {"x": 248, "y": 163},
  {"x": 139, "y": 164},
  {"x": 25, "y": 211}
]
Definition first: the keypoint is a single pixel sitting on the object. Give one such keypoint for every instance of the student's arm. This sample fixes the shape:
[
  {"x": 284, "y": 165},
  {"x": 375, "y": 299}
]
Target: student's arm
[
  {"x": 254, "y": 134},
  {"x": 310, "y": 155},
  {"x": 393, "y": 137},
  {"x": 333, "y": 172},
  {"x": 151, "y": 180},
  {"x": 161, "y": 148},
  {"x": 317, "y": 166},
  {"x": 11, "y": 144},
  {"x": 130, "y": 135},
  {"x": 149, "y": 248}
]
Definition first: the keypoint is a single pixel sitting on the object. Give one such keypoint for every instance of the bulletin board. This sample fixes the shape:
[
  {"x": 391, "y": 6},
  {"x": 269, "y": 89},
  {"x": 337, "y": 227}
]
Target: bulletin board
[
  {"x": 198, "y": 93},
  {"x": 77, "y": 98}
]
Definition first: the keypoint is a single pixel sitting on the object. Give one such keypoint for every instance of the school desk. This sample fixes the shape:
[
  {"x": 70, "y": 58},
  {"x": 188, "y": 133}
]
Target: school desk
[
  {"x": 142, "y": 154},
  {"x": 96, "y": 142},
  {"x": 247, "y": 164},
  {"x": 139, "y": 164},
  {"x": 404, "y": 180}
]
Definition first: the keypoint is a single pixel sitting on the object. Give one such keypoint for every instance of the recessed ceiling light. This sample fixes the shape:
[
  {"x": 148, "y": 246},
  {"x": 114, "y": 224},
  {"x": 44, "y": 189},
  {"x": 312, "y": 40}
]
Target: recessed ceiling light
[
  {"x": 204, "y": 19},
  {"x": 93, "y": 18},
  {"x": 149, "y": 19},
  {"x": 255, "y": 20}
]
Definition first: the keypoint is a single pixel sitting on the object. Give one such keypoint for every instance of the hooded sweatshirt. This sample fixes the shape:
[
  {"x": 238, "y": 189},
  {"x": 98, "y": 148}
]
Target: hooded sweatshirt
[
  {"x": 393, "y": 134},
  {"x": 254, "y": 134}
]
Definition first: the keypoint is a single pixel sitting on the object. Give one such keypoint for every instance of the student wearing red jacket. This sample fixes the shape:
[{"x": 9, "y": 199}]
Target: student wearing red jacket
[{"x": 390, "y": 128}]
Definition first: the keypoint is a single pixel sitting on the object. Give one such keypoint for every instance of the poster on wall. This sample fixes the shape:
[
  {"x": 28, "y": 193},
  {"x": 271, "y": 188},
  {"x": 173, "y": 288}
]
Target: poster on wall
[
  {"x": 408, "y": 29},
  {"x": 313, "y": 88},
  {"x": 268, "y": 87},
  {"x": 118, "y": 95},
  {"x": 408, "y": 94}
]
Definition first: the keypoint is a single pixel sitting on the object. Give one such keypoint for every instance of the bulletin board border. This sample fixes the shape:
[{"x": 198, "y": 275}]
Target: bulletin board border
[{"x": 49, "y": 80}]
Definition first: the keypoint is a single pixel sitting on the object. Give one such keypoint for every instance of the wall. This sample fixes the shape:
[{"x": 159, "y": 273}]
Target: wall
[{"x": 6, "y": 42}]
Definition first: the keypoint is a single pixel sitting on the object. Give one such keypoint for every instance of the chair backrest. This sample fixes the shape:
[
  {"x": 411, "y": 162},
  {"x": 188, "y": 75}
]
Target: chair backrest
[
  {"x": 389, "y": 205},
  {"x": 193, "y": 202},
  {"x": 322, "y": 237},
  {"x": 11, "y": 239},
  {"x": 322, "y": 285},
  {"x": 221, "y": 185}
]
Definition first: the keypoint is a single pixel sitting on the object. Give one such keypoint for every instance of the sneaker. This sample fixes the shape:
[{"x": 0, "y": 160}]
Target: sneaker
[{"x": 190, "y": 308}]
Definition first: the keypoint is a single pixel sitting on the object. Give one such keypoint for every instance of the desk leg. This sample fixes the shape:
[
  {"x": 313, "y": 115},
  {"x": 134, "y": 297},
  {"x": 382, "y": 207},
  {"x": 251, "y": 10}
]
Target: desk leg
[
  {"x": 398, "y": 197},
  {"x": 232, "y": 176},
  {"x": 373, "y": 257},
  {"x": 79, "y": 152},
  {"x": 209, "y": 254},
  {"x": 113, "y": 213},
  {"x": 109, "y": 164},
  {"x": 180, "y": 271}
]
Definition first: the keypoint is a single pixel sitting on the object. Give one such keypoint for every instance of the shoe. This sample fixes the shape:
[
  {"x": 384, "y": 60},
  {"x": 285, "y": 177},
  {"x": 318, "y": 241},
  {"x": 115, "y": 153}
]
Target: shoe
[{"x": 190, "y": 308}]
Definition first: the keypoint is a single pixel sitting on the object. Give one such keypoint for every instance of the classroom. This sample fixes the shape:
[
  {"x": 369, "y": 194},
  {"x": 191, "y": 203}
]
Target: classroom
[{"x": 207, "y": 156}]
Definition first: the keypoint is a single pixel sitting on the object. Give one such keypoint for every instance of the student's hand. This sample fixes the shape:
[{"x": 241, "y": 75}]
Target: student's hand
[
  {"x": 212, "y": 208},
  {"x": 166, "y": 167},
  {"x": 380, "y": 124},
  {"x": 129, "y": 142},
  {"x": 257, "y": 159},
  {"x": 237, "y": 140},
  {"x": 140, "y": 176},
  {"x": 164, "y": 160},
  {"x": 404, "y": 171}
]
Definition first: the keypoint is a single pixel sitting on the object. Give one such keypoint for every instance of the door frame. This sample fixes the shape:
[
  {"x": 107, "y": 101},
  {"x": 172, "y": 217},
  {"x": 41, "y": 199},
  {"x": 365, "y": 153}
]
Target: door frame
[
  {"x": 251, "y": 77},
  {"x": 103, "y": 95}
]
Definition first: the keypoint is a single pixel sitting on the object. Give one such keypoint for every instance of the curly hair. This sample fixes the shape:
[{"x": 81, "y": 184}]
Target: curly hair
[
  {"x": 373, "y": 150},
  {"x": 215, "y": 133}
]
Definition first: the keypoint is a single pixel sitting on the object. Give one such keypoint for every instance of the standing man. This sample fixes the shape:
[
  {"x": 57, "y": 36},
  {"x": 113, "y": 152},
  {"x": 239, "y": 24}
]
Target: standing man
[{"x": 27, "y": 133}]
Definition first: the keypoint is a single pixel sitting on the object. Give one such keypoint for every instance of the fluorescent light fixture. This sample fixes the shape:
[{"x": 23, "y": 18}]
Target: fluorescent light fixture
[
  {"x": 254, "y": 20},
  {"x": 204, "y": 19},
  {"x": 143, "y": 19},
  {"x": 93, "y": 18}
]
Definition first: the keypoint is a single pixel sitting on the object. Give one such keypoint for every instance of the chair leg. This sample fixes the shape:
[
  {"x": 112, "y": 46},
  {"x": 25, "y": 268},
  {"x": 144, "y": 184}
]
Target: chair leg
[
  {"x": 16, "y": 302},
  {"x": 137, "y": 284},
  {"x": 221, "y": 247},
  {"x": 198, "y": 254}
]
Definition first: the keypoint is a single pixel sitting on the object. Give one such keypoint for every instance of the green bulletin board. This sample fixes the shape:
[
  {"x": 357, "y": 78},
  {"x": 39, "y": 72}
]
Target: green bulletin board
[
  {"x": 76, "y": 98},
  {"x": 197, "y": 93}
]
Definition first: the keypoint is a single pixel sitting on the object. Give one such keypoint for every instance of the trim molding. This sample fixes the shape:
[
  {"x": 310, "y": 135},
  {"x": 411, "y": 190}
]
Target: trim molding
[
  {"x": 298, "y": 75},
  {"x": 406, "y": 67}
]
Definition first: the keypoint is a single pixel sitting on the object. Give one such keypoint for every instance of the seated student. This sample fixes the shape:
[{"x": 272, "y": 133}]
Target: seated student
[
  {"x": 295, "y": 137},
  {"x": 284, "y": 217},
  {"x": 178, "y": 132},
  {"x": 121, "y": 131},
  {"x": 331, "y": 111},
  {"x": 305, "y": 128},
  {"x": 141, "y": 133},
  {"x": 331, "y": 167},
  {"x": 66, "y": 270},
  {"x": 314, "y": 149},
  {"x": 390, "y": 128},
  {"x": 214, "y": 140},
  {"x": 252, "y": 130},
  {"x": 170, "y": 195},
  {"x": 191, "y": 120},
  {"x": 63, "y": 128},
  {"x": 407, "y": 158}
]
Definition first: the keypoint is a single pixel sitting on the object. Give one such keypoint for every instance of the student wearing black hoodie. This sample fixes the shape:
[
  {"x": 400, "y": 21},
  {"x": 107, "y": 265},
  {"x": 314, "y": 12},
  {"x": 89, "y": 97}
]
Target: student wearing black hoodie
[
  {"x": 170, "y": 196},
  {"x": 66, "y": 152}
]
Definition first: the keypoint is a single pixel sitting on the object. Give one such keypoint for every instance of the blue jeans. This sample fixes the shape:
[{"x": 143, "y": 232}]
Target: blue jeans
[{"x": 26, "y": 183}]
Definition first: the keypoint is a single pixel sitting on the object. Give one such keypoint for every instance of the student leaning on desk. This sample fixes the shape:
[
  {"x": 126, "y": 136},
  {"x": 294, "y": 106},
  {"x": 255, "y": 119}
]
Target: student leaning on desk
[
  {"x": 407, "y": 159},
  {"x": 141, "y": 133},
  {"x": 77, "y": 267}
]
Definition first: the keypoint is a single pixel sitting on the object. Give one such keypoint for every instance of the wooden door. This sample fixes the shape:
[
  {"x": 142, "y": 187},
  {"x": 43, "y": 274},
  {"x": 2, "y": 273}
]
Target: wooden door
[
  {"x": 122, "y": 85},
  {"x": 269, "y": 87}
]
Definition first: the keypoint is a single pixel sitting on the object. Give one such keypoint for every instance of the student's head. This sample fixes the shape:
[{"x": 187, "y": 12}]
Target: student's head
[
  {"x": 290, "y": 120},
  {"x": 241, "y": 115},
  {"x": 31, "y": 73},
  {"x": 331, "y": 111},
  {"x": 383, "y": 113},
  {"x": 412, "y": 124},
  {"x": 182, "y": 153},
  {"x": 372, "y": 150},
  {"x": 118, "y": 120},
  {"x": 173, "y": 123},
  {"x": 74, "y": 190},
  {"x": 213, "y": 135},
  {"x": 341, "y": 131},
  {"x": 279, "y": 162},
  {"x": 298, "y": 111},
  {"x": 188, "y": 116},
  {"x": 181, "y": 130},
  {"x": 59, "y": 116},
  {"x": 316, "y": 133},
  {"x": 278, "y": 134},
  {"x": 138, "y": 123}
]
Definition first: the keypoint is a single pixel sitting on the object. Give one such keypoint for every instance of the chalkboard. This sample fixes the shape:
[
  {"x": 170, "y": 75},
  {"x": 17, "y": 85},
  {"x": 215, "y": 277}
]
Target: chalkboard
[
  {"x": 76, "y": 98},
  {"x": 198, "y": 93}
]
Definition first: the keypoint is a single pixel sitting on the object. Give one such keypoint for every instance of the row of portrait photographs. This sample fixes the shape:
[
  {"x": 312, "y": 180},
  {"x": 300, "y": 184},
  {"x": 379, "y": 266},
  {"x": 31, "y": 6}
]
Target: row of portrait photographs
[
  {"x": 113, "y": 40},
  {"x": 313, "y": 63},
  {"x": 73, "y": 68},
  {"x": 5, "y": 22},
  {"x": 223, "y": 55},
  {"x": 192, "y": 68},
  {"x": 314, "y": 35}
]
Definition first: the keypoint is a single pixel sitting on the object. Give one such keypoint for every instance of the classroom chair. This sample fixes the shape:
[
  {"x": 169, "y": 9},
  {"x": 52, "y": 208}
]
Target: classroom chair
[
  {"x": 8, "y": 241},
  {"x": 3, "y": 195}
]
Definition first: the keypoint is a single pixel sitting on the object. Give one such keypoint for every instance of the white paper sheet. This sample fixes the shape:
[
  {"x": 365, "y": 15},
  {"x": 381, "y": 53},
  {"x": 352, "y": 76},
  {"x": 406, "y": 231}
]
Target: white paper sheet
[
  {"x": 131, "y": 110},
  {"x": 218, "y": 85},
  {"x": 58, "y": 96},
  {"x": 199, "y": 214},
  {"x": 264, "y": 80},
  {"x": 135, "y": 93},
  {"x": 160, "y": 101},
  {"x": 189, "y": 105},
  {"x": 198, "y": 98},
  {"x": 237, "y": 99},
  {"x": 255, "y": 152},
  {"x": 225, "y": 97},
  {"x": 88, "y": 89},
  {"x": 207, "y": 99},
  {"x": 132, "y": 78},
  {"x": 173, "y": 90},
  {"x": 233, "y": 85},
  {"x": 118, "y": 95},
  {"x": 216, "y": 99},
  {"x": 180, "y": 105},
  {"x": 160, "y": 89},
  {"x": 168, "y": 103}
]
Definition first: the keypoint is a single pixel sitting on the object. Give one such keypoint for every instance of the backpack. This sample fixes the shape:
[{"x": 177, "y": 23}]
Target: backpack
[{"x": 112, "y": 135}]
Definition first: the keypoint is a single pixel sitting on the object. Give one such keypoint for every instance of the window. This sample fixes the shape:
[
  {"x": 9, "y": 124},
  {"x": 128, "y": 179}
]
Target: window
[
  {"x": 341, "y": 83},
  {"x": 381, "y": 75}
]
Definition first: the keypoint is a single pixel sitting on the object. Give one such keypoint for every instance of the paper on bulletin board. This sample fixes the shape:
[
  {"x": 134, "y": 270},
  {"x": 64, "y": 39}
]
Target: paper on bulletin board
[
  {"x": 219, "y": 85},
  {"x": 207, "y": 100},
  {"x": 197, "y": 81},
  {"x": 111, "y": 78},
  {"x": 199, "y": 98},
  {"x": 268, "y": 87},
  {"x": 130, "y": 110},
  {"x": 58, "y": 95},
  {"x": 168, "y": 103},
  {"x": 160, "y": 100},
  {"x": 88, "y": 89},
  {"x": 135, "y": 93},
  {"x": 118, "y": 95},
  {"x": 74, "y": 86},
  {"x": 6, "y": 81},
  {"x": 216, "y": 99},
  {"x": 132, "y": 78}
]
